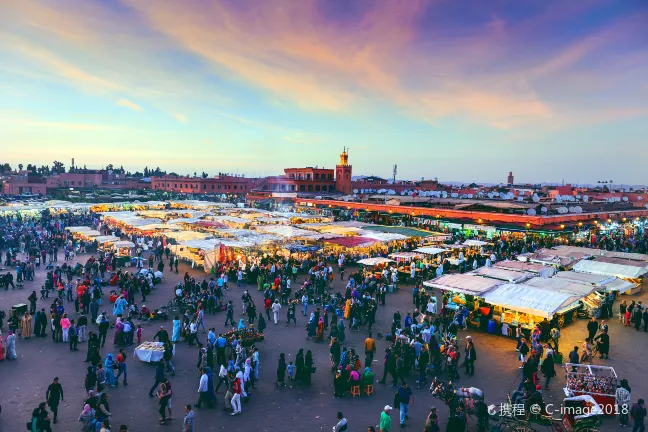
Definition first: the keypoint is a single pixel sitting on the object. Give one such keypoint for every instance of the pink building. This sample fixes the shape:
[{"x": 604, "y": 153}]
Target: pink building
[{"x": 74, "y": 180}]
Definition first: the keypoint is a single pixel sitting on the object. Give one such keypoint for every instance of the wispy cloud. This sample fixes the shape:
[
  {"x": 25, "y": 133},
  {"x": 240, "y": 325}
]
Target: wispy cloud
[
  {"x": 180, "y": 117},
  {"x": 74, "y": 127},
  {"x": 128, "y": 104},
  {"x": 300, "y": 140}
]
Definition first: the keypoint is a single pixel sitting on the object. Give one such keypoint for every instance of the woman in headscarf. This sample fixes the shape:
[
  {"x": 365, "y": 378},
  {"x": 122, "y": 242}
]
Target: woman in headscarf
[
  {"x": 281, "y": 371},
  {"x": 312, "y": 325},
  {"x": 241, "y": 324},
  {"x": 26, "y": 324},
  {"x": 109, "y": 367},
  {"x": 334, "y": 351},
  {"x": 340, "y": 333},
  {"x": 262, "y": 323},
  {"x": 177, "y": 325},
  {"x": 299, "y": 365},
  {"x": 10, "y": 346},
  {"x": 320, "y": 329},
  {"x": 308, "y": 367},
  {"x": 334, "y": 330},
  {"x": 86, "y": 417},
  {"x": 211, "y": 394},
  {"x": 119, "y": 332},
  {"x": 338, "y": 384}
]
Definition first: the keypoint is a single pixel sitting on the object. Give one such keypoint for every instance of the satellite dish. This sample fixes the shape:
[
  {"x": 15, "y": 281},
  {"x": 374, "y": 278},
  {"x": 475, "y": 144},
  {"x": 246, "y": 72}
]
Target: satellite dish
[
  {"x": 558, "y": 198},
  {"x": 355, "y": 191},
  {"x": 471, "y": 195},
  {"x": 454, "y": 195},
  {"x": 543, "y": 209},
  {"x": 585, "y": 198},
  {"x": 578, "y": 209},
  {"x": 531, "y": 212},
  {"x": 572, "y": 209},
  {"x": 639, "y": 198},
  {"x": 625, "y": 198},
  {"x": 520, "y": 199}
]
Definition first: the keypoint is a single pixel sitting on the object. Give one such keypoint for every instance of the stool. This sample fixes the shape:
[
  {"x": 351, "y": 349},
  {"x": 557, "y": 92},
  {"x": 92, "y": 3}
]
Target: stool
[
  {"x": 355, "y": 391},
  {"x": 369, "y": 389}
]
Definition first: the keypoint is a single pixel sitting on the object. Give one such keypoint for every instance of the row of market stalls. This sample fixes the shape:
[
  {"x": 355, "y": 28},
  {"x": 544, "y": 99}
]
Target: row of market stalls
[{"x": 515, "y": 293}]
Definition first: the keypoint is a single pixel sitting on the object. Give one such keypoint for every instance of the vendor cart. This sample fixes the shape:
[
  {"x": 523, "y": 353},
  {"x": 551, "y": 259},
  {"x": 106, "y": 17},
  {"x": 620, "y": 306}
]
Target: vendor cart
[
  {"x": 580, "y": 414},
  {"x": 599, "y": 382}
]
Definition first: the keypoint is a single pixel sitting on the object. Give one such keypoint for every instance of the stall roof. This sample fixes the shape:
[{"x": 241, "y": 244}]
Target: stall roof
[
  {"x": 106, "y": 239},
  {"x": 562, "y": 285},
  {"x": 621, "y": 261},
  {"x": 91, "y": 233},
  {"x": 600, "y": 252},
  {"x": 543, "y": 271},
  {"x": 182, "y": 236},
  {"x": 610, "y": 269},
  {"x": 291, "y": 231},
  {"x": 529, "y": 299},
  {"x": 350, "y": 242},
  {"x": 381, "y": 236},
  {"x": 476, "y": 243},
  {"x": 406, "y": 255},
  {"x": 463, "y": 283},
  {"x": 408, "y": 232},
  {"x": 78, "y": 229},
  {"x": 608, "y": 283},
  {"x": 429, "y": 250},
  {"x": 375, "y": 261},
  {"x": 511, "y": 276},
  {"x": 123, "y": 243}
]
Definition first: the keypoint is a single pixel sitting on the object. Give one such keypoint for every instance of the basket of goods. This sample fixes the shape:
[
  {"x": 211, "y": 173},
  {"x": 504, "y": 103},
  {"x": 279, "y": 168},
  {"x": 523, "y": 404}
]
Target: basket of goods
[
  {"x": 151, "y": 346},
  {"x": 246, "y": 337}
]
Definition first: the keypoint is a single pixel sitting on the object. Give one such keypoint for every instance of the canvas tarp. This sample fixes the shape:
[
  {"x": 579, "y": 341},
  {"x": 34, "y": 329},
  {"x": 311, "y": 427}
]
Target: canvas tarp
[
  {"x": 429, "y": 250},
  {"x": 78, "y": 229},
  {"x": 544, "y": 271},
  {"x": 406, "y": 255},
  {"x": 106, "y": 239},
  {"x": 477, "y": 243},
  {"x": 578, "y": 289},
  {"x": 528, "y": 299},
  {"x": 463, "y": 283},
  {"x": 610, "y": 269},
  {"x": 374, "y": 261},
  {"x": 511, "y": 276},
  {"x": 603, "y": 282},
  {"x": 407, "y": 232},
  {"x": 601, "y": 252},
  {"x": 350, "y": 242}
]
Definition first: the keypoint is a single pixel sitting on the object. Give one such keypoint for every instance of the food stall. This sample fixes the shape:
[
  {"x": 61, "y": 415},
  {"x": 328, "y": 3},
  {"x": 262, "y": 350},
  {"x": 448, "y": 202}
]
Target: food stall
[
  {"x": 123, "y": 249},
  {"x": 630, "y": 273},
  {"x": 590, "y": 299},
  {"x": 525, "y": 306},
  {"x": 462, "y": 289},
  {"x": 150, "y": 352},
  {"x": 600, "y": 382}
]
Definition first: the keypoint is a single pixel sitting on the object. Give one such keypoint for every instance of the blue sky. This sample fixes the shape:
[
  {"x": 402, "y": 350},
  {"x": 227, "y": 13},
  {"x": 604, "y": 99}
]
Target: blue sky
[{"x": 459, "y": 90}]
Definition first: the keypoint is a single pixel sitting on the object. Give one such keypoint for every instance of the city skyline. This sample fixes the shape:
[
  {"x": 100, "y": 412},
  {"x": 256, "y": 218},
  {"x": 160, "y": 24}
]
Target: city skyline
[{"x": 462, "y": 91}]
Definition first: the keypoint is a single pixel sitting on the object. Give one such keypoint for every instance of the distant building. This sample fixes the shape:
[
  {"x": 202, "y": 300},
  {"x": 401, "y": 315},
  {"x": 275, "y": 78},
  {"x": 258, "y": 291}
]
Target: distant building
[
  {"x": 222, "y": 184},
  {"x": 509, "y": 179}
]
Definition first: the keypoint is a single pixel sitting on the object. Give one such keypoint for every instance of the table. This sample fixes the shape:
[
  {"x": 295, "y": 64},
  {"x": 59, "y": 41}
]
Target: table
[
  {"x": 145, "y": 353},
  {"x": 455, "y": 261}
]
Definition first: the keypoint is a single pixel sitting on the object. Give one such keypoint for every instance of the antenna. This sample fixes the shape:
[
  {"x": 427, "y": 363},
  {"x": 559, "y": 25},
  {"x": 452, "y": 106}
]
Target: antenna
[{"x": 395, "y": 171}]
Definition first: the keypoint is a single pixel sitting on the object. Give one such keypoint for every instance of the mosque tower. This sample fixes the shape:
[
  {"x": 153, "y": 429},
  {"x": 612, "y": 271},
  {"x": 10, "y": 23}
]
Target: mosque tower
[{"x": 343, "y": 174}]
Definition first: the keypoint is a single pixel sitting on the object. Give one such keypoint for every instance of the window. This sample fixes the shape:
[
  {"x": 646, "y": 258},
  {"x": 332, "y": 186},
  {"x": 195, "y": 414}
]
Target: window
[
  {"x": 204, "y": 186},
  {"x": 317, "y": 188},
  {"x": 212, "y": 187},
  {"x": 332, "y": 188},
  {"x": 283, "y": 187},
  {"x": 330, "y": 176},
  {"x": 175, "y": 185},
  {"x": 186, "y": 186},
  {"x": 292, "y": 175},
  {"x": 310, "y": 188},
  {"x": 316, "y": 176},
  {"x": 302, "y": 188},
  {"x": 219, "y": 186},
  {"x": 308, "y": 176},
  {"x": 167, "y": 184},
  {"x": 235, "y": 187},
  {"x": 292, "y": 188}
]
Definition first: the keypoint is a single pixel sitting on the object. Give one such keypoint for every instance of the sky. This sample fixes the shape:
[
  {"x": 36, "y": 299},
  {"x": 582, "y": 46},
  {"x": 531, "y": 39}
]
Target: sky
[{"x": 461, "y": 90}]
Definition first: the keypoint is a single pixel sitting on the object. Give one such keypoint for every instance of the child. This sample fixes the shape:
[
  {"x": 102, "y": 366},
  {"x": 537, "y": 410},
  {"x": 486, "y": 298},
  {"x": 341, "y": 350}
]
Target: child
[
  {"x": 291, "y": 371},
  {"x": 139, "y": 334}
]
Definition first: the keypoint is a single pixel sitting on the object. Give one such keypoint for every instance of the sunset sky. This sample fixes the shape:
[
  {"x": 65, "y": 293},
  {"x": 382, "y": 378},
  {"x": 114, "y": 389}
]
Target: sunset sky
[{"x": 459, "y": 90}]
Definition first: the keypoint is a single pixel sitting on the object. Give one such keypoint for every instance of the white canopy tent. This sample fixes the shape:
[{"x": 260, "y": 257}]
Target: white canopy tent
[
  {"x": 123, "y": 243},
  {"x": 78, "y": 229},
  {"x": 430, "y": 250},
  {"x": 511, "y": 276},
  {"x": 610, "y": 269},
  {"x": 374, "y": 261},
  {"x": 405, "y": 255},
  {"x": 463, "y": 283},
  {"x": 603, "y": 282},
  {"x": 600, "y": 252},
  {"x": 106, "y": 239},
  {"x": 528, "y": 299}
]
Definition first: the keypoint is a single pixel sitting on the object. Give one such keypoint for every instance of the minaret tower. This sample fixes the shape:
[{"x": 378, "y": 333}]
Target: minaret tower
[{"x": 343, "y": 174}]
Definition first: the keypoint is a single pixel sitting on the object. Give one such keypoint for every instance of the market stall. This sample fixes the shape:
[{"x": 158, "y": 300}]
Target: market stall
[
  {"x": 464, "y": 289},
  {"x": 123, "y": 249},
  {"x": 525, "y": 305},
  {"x": 150, "y": 352},
  {"x": 629, "y": 273},
  {"x": 599, "y": 382}
]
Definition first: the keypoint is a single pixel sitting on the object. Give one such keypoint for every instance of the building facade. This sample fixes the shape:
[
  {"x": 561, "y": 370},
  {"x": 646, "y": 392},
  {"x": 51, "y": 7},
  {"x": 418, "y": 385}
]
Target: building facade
[{"x": 197, "y": 185}]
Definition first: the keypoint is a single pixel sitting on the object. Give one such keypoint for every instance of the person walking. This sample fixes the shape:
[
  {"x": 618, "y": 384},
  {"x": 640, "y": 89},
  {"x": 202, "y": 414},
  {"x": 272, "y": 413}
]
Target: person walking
[
  {"x": 341, "y": 425},
  {"x": 237, "y": 390},
  {"x": 54, "y": 396},
  {"x": 638, "y": 414},
  {"x": 122, "y": 367},
  {"x": 385, "y": 419},
  {"x": 623, "y": 400},
  {"x": 404, "y": 396},
  {"x": 203, "y": 390},
  {"x": 276, "y": 306},
  {"x": 547, "y": 368},
  {"x": 159, "y": 376},
  {"x": 370, "y": 350},
  {"x": 188, "y": 421},
  {"x": 471, "y": 356}
]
